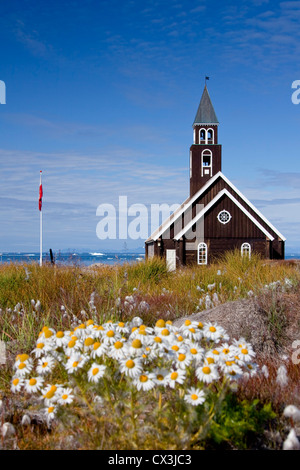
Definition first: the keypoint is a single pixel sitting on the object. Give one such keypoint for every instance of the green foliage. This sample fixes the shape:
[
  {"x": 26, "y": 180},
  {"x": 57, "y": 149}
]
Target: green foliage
[{"x": 239, "y": 423}]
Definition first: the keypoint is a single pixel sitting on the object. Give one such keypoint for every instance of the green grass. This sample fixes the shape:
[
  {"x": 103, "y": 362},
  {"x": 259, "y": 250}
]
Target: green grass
[{"x": 69, "y": 295}]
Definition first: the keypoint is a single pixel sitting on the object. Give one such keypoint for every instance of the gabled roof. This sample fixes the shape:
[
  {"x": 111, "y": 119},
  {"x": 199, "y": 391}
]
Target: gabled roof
[
  {"x": 206, "y": 113},
  {"x": 211, "y": 204},
  {"x": 188, "y": 203}
]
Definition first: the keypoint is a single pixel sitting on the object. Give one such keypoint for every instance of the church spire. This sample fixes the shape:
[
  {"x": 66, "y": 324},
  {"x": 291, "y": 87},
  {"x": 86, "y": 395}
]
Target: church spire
[{"x": 205, "y": 113}]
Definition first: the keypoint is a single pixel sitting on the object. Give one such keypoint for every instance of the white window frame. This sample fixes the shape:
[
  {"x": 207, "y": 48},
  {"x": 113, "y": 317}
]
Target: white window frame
[
  {"x": 213, "y": 136},
  {"x": 224, "y": 221},
  {"x": 203, "y": 259},
  {"x": 209, "y": 167},
  {"x": 246, "y": 249},
  {"x": 205, "y": 134}
]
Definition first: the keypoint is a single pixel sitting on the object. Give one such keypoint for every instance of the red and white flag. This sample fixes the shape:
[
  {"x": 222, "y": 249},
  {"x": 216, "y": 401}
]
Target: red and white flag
[{"x": 40, "y": 192}]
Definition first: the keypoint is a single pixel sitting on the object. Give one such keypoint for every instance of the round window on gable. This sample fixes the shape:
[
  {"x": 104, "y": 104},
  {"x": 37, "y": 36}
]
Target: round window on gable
[{"x": 224, "y": 217}]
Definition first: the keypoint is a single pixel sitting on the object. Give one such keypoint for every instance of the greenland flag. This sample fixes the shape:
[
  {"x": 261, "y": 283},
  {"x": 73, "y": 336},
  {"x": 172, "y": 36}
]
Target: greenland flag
[{"x": 40, "y": 192}]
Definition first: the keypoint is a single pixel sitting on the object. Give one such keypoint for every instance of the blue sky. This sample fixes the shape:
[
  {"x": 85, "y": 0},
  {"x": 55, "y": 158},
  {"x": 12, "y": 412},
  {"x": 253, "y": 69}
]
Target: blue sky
[{"x": 101, "y": 96}]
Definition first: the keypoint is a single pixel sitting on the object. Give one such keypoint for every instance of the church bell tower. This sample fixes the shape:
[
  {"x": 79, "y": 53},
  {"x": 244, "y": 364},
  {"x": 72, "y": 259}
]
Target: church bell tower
[{"x": 205, "y": 153}]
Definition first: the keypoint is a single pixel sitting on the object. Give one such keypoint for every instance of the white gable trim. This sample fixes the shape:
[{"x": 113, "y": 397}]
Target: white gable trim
[
  {"x": 212, "y": 203},
  {"x": 189, "y": 201},
  {"x": 253, "y": 207}
]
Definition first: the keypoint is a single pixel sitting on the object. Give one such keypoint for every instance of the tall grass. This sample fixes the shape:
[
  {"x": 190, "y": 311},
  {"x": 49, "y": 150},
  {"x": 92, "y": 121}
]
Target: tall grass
[{"x": 61, "y": 297}]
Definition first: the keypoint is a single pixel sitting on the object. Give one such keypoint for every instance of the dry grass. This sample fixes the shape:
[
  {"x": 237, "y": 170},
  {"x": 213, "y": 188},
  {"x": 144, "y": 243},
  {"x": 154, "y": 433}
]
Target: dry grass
[{"x": 72, "y": 294}]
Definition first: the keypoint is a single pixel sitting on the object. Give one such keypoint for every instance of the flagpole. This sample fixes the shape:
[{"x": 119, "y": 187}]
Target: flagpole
[{"x": 41, "y": 223}]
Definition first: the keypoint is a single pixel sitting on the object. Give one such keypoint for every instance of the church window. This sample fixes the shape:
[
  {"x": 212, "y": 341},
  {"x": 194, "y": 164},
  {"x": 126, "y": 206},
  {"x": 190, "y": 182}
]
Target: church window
[
  {"x": 224, "y": 217},
  {"x": 202, "y": 253},
  {"x": 203, "y": 136},
  {"x": 206, "y": 160},
  {"x": 210, "y": 136},
  {"x": 246, "y": 249}
]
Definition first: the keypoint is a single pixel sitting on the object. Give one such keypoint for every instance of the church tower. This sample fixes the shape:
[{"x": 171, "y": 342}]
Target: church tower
[{"x": 205, "y": 153}]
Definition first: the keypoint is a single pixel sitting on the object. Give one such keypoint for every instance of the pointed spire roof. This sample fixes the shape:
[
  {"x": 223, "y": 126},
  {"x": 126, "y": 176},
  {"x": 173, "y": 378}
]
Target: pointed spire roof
[{"x": 206, "y": 113}]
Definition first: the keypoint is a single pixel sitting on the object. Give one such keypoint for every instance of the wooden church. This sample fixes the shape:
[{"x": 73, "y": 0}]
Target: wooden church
[{"x": 216, "y": 217}]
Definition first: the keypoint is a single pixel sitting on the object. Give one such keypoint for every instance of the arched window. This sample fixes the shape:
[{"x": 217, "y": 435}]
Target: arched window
[
  {"x": 210, "y": 136},
  {"x": 202, "y": 136},
  {"x": 202, "y": 253},
  {"x": 246, "y": 250},
  {"x": 206, "y": 163}
]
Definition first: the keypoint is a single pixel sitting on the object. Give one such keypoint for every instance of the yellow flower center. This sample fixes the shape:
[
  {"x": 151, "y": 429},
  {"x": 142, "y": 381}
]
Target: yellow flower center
[
  {"x": 44, "y": 364},
  {"x": 160, "y": 323},
  {"x": 212, "y": 329},
  {"x": 136, "y": 344},
  {"x": 50, "y": 409},
  {"x": 174, "y": 375},
  {"x": 64, "y": 396},
  {"x": 40, "y": 345},
  {"x": 71, "y": 343},
  {"x": 175, "y": 347},
  {"x": 75, "y": 364},
  {"x": 50, "y": 394},
  {"x": 121, "y": 324},
  {"x": 96, "y": 345},
  {"x": 59, "y": 334},
  {"x": 143, "y": 378},
  {"x": 200, "y": 325},
  {"x": 110, "y": 334},
  {"x": 187, "y": 322},
  {"x": 193, "y": 351},
  {"x": 179, "y": 338},
  {"x": 192, "y": 330},
  {"x": 160, "y": 377},
  {"x": 118, "y": 345},
  {"x": 21, "y": 365},
  {"x": 48, "y": 334},
  {"x": 206, "y": 370},
  {"x": 210, "y": 360},
  {"x": 194, "y": 396},
  {"x": 244, "y": 351},
  {"x": 130, "y": 364},
  {"x": 165, "y": 332},
  {"x": 32, "y": 381},
  {"x": 216, "y": 352},
  {"x": 95, "y": 371},
  {"x": 225, "y": 350},
  {"x": 23, "y": 357},
  {"x": 181, "y": 357},
  {"x": 89, "y": 322},
  {"x": 88, "y": 341},
  {"x": 15, "y": 381},
  {"x": 157, "y": 339}
]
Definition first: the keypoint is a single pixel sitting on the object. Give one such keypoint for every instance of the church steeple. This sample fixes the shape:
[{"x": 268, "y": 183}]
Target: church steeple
[
  {"x": 205, "y": 153},
  {"x": 205, "y": 113}
]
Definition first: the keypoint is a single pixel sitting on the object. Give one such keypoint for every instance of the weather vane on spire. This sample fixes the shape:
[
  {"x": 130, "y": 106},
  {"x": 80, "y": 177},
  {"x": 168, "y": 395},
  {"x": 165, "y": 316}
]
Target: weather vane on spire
[{"x": 206, "y": 78}]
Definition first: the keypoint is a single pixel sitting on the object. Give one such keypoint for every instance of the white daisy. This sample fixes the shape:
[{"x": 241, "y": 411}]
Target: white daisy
[
  {"x": 65, "y": 396},
  {"x": 99, "y": 349},
  {"x": 131, "y": 367},
  {"x": 96, "y": 372},
  {"x": 23, "y": 367},
  {"x": 183, "y": 359},
  {"x": 145, "y": 381},
  {"x": 213, "y": 332},
  {"x": 75, "y": 362},
  {"x": 45, "y": 365},
  {"x": 50, "y": 394},
  {"x": 34, "y": 384},
  {"x": 160, "y": 376},
  {"x": 196, "y": 352},
  {"x": 16, "y": 384},
  {"x": 194, "y": 396},
  {"x": 207, "y": 373},
  {"x": 176, "y": 377},
  {"x": 117, "y": 350},
  {"x": 50, "y": 413}
]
